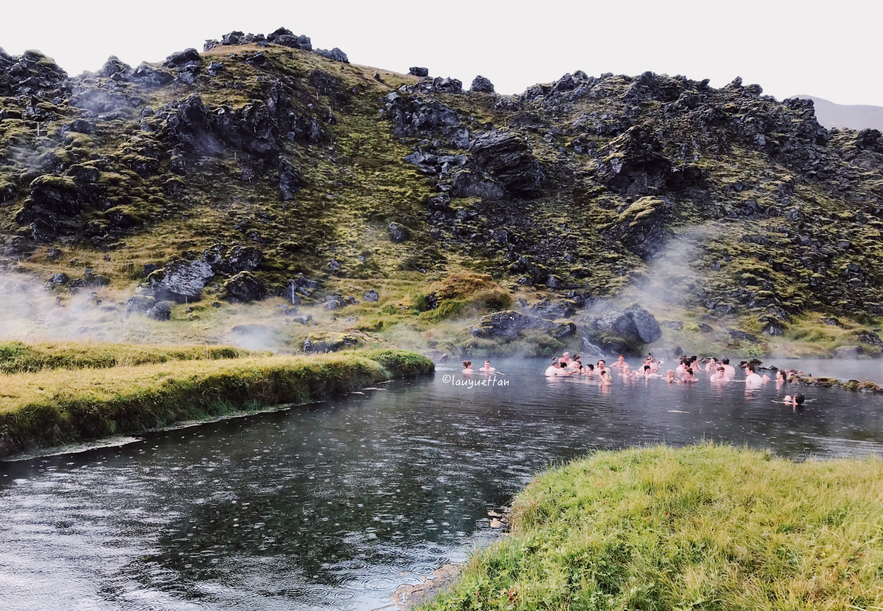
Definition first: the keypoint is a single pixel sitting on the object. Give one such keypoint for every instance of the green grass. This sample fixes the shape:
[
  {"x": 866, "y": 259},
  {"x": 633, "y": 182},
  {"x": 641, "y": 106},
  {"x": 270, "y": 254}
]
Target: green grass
[
  {"x": 19, "y": 357},
  {"x": 702, "y": 527},
  {"x": 61, "y": 406}
]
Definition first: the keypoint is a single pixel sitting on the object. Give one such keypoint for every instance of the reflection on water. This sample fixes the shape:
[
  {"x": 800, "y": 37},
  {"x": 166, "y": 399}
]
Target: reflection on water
[{"x": 333, "y": 506}]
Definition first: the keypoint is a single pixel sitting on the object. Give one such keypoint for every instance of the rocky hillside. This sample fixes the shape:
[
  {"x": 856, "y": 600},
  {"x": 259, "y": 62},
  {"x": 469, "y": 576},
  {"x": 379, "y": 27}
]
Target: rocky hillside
[{"x": 261, "y": 169}]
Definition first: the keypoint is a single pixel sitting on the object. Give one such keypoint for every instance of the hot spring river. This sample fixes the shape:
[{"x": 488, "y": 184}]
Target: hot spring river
[{"x": 334, "y": 505}]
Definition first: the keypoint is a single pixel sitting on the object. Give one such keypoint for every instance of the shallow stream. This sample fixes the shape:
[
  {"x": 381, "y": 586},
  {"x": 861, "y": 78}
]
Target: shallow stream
[{"x": 334, "y": 505}]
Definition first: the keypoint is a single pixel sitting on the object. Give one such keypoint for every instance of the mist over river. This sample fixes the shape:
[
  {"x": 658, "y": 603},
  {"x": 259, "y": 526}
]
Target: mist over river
[{"x": 334, "y": 505}]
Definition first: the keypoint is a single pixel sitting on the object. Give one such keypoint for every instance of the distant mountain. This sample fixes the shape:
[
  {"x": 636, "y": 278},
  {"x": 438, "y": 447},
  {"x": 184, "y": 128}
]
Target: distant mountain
[{"x": 830, "y": 114}]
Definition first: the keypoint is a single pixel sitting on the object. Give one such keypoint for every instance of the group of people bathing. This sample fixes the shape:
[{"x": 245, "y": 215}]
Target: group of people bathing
[{"x": 719, "y": 372}]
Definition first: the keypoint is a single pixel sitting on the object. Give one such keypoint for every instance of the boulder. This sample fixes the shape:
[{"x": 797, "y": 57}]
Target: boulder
[
  {"x": 244, "y": 287},
  {"x": 289, "y": 182},
  {"x": 619, "y": 330},
  {"x": 161, "y": 311},
  {"x": 481, "y": 84},
  {"x": 147, "y": 75},
  {"x": 509, "y": 160},
  {"x": 507, "y": 325},
  {"x": 398, "y": 233},
  {"x": 176, "y": 60},
  {"x": 417, "y": 71},
  {"x": 370, "y": 296},
  {"x": 412, "y": 116},
  {"x": 139, "y": 304},
  {"x": 328, "y": 342},
  {"x": 180, "y": 281},
  {"x": 233, "y": 260},
  {"x": 472, "y": 184},
  {"x": 334, "y": 54},
  {"x": 113, "y": 67}
]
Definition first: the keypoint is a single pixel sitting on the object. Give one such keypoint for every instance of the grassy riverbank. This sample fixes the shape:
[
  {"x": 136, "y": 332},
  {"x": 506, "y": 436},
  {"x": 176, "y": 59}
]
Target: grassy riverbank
[
  {"x": 60, "y": 406},
  {"x": 702, "y": 527},
  {"x": 20, "y": 357}
]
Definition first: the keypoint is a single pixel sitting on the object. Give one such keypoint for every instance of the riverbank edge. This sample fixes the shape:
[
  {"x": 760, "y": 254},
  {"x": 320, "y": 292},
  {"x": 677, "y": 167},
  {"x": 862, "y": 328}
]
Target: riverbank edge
[
  {"x": 630, "y": 529},
  {"x": 74, "y": 406}
]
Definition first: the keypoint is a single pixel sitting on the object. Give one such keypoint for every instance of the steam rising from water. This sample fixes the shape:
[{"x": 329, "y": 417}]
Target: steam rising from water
[
  {"x": 28, "y": 309},
  {"x": 671, "y": 276}
]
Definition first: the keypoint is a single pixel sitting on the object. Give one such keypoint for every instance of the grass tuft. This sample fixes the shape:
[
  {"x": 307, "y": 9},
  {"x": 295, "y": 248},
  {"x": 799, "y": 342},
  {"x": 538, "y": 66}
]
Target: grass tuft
[{"x": 702, "y": 527}]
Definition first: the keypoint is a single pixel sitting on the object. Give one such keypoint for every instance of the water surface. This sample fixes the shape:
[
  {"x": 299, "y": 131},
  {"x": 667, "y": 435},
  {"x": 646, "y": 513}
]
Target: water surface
[{"x": 334, "y": 505}]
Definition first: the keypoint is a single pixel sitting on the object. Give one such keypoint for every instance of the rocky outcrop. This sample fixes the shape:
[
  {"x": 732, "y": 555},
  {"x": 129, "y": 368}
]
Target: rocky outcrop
[
  {"x": 510, "y": 161},
  {"x": 634, "y": 163},
  {"x": 328, "y": 342},
  {"x": 412, "y": 116},
  {"x": 435, "y": 85},
  {"x": 334, "y": 54},
  {"x": 224, "y": 260},
  {"x": 482, "y": 85},
  {"x": 398, "y": 233},
  {"x": 180, "y": 281},
  {"x": 509, "y": 324},
  {"x": 619, "y": 330},
  {"x": 641, "y": 226},
  {"x": 244, "y": 287},
  {"x": 31, "y": 73}
]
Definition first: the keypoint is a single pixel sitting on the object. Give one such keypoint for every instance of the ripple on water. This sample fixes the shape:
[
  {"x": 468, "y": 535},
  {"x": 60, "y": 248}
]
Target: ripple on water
[{"x": 335, "y": 506}]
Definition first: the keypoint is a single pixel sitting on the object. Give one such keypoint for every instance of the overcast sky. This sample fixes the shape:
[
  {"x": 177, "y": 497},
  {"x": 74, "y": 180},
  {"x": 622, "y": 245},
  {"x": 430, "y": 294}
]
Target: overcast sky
[{"x": 787, "y": 47}]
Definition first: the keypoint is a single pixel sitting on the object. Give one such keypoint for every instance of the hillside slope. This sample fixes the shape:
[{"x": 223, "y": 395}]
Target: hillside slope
[
  {"x": 852, "y": 116},
  {"x": 261, "y": 168}
]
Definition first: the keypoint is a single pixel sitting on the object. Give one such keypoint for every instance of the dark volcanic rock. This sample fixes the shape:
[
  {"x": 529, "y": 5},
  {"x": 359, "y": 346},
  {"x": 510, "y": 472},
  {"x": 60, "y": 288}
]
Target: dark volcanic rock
[
  {"x": 32, "y": 73},
  {"x": 370, "y": 296},
  {"x": 482, "y": 85},
  {"x": 233, "y": 260},
  {"x": 139, "y": 304},
  {"x": 176, "y": 60},
  {"x": 618, "y": 330},
  {"x": 328, "y": 342},
  {"x": 161, "y": 311},
  {"x": 509, "y": 159},
  {"x": 472, "y": 184},
  {"x": 412, "y": 116},
  {"x": 147, "y": 75},
  {"x": 398, "y": 233},
  {"x": 334, "y": 54},
  {"x": 416, "y": 71},
  {"x": 508, "y": 324},
  {"x": 244, "y": 287},
  {"x": 114, "y": 67},
  {"x": 180, "y": 281},
  {"x": 640, "y": 227},
  {"x": 634, "y": 163}
]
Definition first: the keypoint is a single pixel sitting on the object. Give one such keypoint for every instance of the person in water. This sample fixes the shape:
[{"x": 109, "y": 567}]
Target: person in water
[
  {"x": 688, "y": 376},
  {"x": 604, "y": 376},
  {"x": 620, "y": 362},
  {"x": 467, "y": 367},
  {"x": 589, "y": 370},
  {"x": 565, "y": 359},
  {"x": 711, "y": 366},
  {"x": 720, "y": 375},
  {"x": 796, "y": 400},
  {"x": 731, "y": 371},
  {"x": 671, "y": 377},
  {"x": 487, "y": 367},
  {"x": 648, "y": 372},
  {"x": 751, "y": 378}
]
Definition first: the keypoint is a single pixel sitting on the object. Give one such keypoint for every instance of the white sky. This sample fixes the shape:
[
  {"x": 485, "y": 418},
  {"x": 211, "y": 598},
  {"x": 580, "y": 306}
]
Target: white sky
[{"x": 788, "y": 47}]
